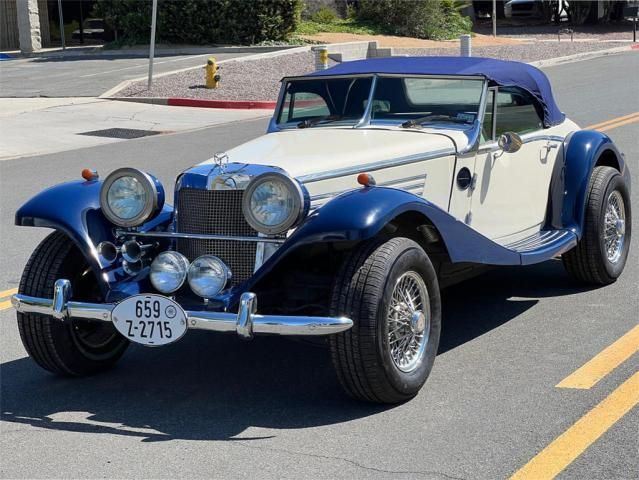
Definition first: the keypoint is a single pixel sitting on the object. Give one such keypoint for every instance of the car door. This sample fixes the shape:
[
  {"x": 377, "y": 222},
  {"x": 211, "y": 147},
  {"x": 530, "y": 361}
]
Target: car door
[{"x": 510, "y": 190}]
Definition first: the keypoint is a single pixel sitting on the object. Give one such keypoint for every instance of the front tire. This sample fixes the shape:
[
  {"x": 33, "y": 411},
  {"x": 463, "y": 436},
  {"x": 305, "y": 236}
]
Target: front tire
[
  {"x": 72, "y": 347},
  {"x": 390, "y": 291},
  {"x": 600, "y": 256}
]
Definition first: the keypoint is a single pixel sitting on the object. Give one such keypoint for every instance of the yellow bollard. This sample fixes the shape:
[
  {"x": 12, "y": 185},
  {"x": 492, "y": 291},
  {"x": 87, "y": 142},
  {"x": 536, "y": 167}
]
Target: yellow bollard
[{"x": 212, "y": 73}]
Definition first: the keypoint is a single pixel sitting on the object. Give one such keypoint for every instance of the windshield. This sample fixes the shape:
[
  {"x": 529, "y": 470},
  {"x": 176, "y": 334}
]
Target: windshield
[{"x": 423, "y": 100}]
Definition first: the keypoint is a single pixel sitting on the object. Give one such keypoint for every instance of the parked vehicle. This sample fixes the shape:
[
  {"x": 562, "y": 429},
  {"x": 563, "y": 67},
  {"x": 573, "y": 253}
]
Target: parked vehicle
[
  {"x": 91, "y": 28},
  {"x": 523, "y": 8},
  {"x": 378, "y": 183}
]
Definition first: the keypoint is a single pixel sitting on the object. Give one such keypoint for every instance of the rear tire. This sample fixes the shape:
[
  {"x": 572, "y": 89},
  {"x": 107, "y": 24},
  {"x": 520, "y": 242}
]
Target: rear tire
[
  {"x": 600, "y": 256},
  {"x": 384, "y": 358},
  {"x": 72, "y": 347}
]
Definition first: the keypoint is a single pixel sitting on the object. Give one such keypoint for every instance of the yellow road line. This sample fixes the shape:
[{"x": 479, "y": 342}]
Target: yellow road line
[
  {"x": 618, "y": 124},
  {"x": 9, "y": 292},
  {"x": 612, "y": 120},
  {"x": 569, "y": 445},
  {"x": 5, "y": 305},
  {"x": 604, "y": 362}
]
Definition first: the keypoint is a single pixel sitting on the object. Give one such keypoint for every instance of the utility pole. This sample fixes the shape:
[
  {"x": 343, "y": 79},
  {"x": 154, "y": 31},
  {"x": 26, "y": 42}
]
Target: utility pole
[
  {"x": 61, "y": 24},
  {"x": 494, "y": 17},
  {"x": 154, "y": 15}
]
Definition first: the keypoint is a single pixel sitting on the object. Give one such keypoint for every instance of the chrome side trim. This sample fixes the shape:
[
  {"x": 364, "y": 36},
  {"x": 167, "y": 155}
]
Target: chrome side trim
[
  {"x": 371, "y": 167},
  {"x": 245, "y": 322},
  {"x": 527, "y": 138},
  {"x": 389, "y": 183},
  {"x": 199, "y": 236}
]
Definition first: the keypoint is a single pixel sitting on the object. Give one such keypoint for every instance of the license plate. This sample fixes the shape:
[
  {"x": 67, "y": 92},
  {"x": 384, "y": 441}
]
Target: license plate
[{"x": 151, "y": 320}]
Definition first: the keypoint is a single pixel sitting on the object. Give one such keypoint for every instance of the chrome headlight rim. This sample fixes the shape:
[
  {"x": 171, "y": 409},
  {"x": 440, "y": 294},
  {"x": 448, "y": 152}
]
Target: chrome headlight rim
[
  {"x": 151, "y": 207},
  {"x": 183, "y": 273},
  {"x": 296, "y": 214},
  {"x": 225, "y": 269}
]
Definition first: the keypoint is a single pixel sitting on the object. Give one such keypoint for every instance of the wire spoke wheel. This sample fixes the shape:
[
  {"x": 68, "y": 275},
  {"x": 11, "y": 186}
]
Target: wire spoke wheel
[
  {"x": 407, "y": 321},
  {"x": 614, "y": 226}
]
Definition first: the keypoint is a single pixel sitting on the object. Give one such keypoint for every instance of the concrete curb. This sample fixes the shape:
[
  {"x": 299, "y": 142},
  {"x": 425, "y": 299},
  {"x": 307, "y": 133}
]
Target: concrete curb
[
  {"x": 195, "y": 102},
  {"x": 578, "y": 57}
]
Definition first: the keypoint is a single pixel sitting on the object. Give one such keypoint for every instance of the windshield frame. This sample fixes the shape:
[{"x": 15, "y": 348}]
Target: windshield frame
[{"x": 471, "y": 130}]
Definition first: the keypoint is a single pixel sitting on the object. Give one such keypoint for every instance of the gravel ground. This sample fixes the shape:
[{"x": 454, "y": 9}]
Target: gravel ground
[
  {"x": 259, "y": 79},
  {"x": 621, "y": 31},
  {"x": 521, "y": 53},
  {"x": 241, "y": 80}
]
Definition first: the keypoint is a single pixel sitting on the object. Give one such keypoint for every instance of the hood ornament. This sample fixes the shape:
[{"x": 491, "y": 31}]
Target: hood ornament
[{"x": 221, "y": 159}]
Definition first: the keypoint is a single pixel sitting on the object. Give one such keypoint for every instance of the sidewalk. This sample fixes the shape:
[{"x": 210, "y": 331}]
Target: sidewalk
[{"x": 33, "y": 126}]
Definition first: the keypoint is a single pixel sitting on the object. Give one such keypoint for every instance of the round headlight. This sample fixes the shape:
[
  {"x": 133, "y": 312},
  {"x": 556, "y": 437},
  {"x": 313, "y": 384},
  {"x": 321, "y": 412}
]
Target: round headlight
[
  {"x": 130, "y": 197},
  {"x": 273, "y": 203},
  {"x": 208, "y": 276},
  {"x": 168, "y": 271}
]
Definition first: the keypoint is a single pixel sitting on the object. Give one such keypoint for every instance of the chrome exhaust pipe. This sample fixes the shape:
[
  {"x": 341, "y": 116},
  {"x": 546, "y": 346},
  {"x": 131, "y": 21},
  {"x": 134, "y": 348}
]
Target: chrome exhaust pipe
[
  {"x": 133, "y": 251},
  {"x": 107, "y": 251},
  {"x": 133, "y": 268}
]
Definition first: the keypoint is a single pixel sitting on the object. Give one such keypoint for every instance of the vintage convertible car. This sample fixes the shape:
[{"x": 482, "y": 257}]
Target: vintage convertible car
[{"x": 378, "y": 183}]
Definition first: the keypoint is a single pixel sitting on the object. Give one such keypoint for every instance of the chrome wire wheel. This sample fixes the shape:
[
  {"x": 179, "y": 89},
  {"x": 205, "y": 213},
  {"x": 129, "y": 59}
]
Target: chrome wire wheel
[
  {"x": 614, "y": 226},
  {"x": 408, "y": 321}
]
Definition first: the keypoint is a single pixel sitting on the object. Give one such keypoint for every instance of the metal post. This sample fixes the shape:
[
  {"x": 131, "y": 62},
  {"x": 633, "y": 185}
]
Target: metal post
[
  {"x": 465, "y": 46},
  {"x": 494, "y": 16},
  {"x": 154, "y": 15},
  {"x": 81, "y": 25},
  {"x": 61, "y": 24}
]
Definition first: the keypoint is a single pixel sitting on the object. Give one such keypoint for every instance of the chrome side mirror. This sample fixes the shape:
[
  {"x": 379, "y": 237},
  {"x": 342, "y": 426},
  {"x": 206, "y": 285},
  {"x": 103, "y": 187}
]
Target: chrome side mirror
[{"x": 510, "y": 142}]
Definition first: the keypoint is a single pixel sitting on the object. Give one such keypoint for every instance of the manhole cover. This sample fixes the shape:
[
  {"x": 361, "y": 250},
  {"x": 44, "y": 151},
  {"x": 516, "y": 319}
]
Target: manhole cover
[{"x": 126, "y": 133}]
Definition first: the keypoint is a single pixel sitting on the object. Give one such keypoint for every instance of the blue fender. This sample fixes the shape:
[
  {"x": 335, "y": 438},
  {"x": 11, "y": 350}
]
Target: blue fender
[
  {"x": 583, "y": 150},
  {"x": 361, "y": 214},
  {"x": 74, "y": 208}
]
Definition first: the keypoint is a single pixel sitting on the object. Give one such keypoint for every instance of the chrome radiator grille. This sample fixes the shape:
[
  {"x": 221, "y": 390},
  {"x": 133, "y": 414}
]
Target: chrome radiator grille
[{"x": 216, "y": 212}]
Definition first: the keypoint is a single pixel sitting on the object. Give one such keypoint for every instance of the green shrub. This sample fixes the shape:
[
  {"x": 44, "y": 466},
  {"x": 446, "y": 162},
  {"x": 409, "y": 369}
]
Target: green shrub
[
  {"x": 432, "y": 19},
  {"x": 202, "y": 21},
  {"x": 325, "y": 15}
]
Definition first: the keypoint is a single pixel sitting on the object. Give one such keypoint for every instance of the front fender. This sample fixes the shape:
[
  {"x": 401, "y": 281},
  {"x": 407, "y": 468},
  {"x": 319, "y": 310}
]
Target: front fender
[
  {"x": 583, "y": 149},
  {"x": 74, "y": 208},
  {"x": 361, "y": 214}
]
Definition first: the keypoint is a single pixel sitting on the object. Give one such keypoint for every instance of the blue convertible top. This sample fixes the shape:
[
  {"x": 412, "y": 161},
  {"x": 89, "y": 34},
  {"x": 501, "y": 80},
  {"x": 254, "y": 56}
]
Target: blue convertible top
[{"x": 499, "y": 72}]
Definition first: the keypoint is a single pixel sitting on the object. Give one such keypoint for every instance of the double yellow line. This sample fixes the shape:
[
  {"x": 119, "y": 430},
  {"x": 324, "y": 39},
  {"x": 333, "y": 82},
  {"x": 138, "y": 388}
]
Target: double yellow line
[
  {"x": 562, "y": 451},
  {"x": 5, "y": 301},
  {"x": 615, "y": 122}
]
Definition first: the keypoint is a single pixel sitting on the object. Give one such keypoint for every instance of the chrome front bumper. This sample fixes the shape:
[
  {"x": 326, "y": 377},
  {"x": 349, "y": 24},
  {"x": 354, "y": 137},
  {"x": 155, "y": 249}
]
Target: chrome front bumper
[{"x": 245, "y": 322}]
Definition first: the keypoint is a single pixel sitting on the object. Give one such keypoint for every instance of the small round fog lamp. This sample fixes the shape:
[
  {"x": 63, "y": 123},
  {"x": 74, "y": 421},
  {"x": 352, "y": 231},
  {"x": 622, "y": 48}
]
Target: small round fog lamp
[
  {"x": 168, "y": 271},
  {"x": 208, "y": 276}
]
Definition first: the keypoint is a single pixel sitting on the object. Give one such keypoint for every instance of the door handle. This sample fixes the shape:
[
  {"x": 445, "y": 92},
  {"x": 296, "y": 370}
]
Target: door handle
[{"x": 549, "y": 146}]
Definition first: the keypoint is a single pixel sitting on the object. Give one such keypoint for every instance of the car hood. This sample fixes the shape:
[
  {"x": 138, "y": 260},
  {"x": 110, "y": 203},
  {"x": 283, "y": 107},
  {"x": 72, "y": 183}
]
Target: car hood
[{"x": 315, "y": 150}]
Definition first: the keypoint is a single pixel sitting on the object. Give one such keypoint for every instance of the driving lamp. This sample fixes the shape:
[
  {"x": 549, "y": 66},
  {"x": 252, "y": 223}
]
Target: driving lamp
[
  {"x": 208, "y": 276},
  {"x": 168, "y": 271}
]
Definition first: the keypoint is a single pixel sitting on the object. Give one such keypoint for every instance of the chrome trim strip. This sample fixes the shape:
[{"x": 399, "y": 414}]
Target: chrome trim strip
[
  {"x": 245, "y": 322},
  {"x": 371, "y": 167},
  {"x": 198, "y": 236},
  {"x": 389, "y": 183},
  {"x": 527, "y": 138}
]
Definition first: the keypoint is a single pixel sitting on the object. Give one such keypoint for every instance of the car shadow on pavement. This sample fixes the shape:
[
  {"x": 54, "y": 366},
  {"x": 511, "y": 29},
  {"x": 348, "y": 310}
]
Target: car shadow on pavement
[{"x": 215, "y": 387}]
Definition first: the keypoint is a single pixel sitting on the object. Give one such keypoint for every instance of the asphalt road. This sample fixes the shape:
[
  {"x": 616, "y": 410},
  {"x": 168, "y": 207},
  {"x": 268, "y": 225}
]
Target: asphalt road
[
  {"x": 213, "y": 406},
  {"x": 87, "y": 75}
]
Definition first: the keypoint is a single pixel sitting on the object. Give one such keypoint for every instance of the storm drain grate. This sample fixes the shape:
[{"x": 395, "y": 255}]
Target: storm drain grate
[{"x": 126, "y": 133}]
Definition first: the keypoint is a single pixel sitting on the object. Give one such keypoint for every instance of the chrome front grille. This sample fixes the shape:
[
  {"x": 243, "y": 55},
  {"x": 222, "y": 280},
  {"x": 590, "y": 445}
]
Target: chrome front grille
[{"x": 216, "y": 212}]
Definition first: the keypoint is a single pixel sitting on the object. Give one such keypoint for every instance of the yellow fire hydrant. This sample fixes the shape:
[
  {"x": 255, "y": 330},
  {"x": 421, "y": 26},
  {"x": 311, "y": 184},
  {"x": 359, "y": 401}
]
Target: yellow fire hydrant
[{"x": 212, "y": 73}]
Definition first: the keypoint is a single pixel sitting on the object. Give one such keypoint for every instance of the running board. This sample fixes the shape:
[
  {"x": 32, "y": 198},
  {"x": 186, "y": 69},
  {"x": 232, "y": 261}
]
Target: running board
[{"x": 543, "y": 245}]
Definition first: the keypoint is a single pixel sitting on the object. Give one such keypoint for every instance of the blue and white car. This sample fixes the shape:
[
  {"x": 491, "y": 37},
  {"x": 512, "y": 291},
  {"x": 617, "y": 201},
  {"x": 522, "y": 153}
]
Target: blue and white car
[{"x": 378, "y": 183}]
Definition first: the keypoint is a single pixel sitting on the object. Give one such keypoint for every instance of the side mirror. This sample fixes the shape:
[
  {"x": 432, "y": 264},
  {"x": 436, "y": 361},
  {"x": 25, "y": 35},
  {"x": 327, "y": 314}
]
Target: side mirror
[{"x": 510, "y": 142}]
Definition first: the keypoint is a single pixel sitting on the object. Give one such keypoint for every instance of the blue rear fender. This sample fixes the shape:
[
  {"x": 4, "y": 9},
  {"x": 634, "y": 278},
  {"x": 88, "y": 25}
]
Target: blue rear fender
[
  {"x": 584, "y": 150},
  {"x": 74, "y": 208}
]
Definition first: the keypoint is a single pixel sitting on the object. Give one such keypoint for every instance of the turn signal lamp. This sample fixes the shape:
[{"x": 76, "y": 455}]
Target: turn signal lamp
[
  {"x": 366, "y": 179},
  {"x": 90, "y": 175}
]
